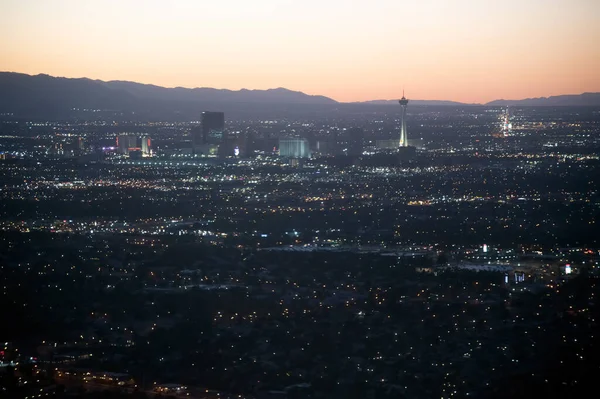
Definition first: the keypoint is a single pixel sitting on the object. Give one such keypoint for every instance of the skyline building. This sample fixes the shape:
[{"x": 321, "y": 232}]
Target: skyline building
[
  {"x": 294, "y": 148},
  {"x": 506, "y": 126},
  {"x": 146, "y": 145},
  {"x": 212, "y": 127},
  {"x": 196, "y": 133},
  {"x": 356, "y": 137},
  {"x": 126, "y": 142},
  {"x": 403, "y": 133},
  {"x": 210, "y": 134}
]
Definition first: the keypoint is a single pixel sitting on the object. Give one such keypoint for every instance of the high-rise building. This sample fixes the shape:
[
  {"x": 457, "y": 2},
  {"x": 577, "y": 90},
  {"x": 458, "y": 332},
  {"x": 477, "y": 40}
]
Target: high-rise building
[
  {"x": 355, "y": 141},
  {"x": 196, "y": 133},
  {"x": 213, "y": 127},
  {"x": 251, "y": 144},
  {"x": 76, "y": 147},
  {"x": 125, "y": 142},
  {"x": 210, "y": 134},
  {"x": 506, "y": 126},
  {"x": 403, "y": 133},
  {"x": 146, "y": 145},
  {"x": 335, "y": 142},
  {"x": 294, "y": 148}
]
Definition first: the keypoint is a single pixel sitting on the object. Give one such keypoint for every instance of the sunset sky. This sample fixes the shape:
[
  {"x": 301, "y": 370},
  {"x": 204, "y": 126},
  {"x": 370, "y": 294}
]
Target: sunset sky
[{"x": 463, "y": 50}]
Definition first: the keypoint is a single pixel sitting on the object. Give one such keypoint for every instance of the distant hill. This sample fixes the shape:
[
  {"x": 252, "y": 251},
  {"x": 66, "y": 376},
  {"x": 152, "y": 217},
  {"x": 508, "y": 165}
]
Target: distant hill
[
  {"x": 415, "y": 102},
  {"x": 585, "y": 99},
  {"x": 44, "y": 94},
  {"x": 47, "y": 97},
  {"x": 206, "y": 94}
]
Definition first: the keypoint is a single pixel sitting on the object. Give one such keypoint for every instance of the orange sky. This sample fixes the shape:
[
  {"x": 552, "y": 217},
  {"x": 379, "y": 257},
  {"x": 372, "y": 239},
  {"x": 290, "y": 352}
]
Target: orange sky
[{"x": 463, "y": 50}]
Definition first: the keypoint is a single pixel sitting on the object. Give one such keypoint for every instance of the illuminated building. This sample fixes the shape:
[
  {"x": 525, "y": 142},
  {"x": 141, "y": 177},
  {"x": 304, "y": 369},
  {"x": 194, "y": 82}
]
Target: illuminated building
[
  {"x": 506, "y": 125},
  {"x": 403, "y": 133},
  {"x": 294, "y": 148},
  {"x": 146, "y": 145},
  {"x": 568, "y": 269},
  {"x": 125, "y": 142}
]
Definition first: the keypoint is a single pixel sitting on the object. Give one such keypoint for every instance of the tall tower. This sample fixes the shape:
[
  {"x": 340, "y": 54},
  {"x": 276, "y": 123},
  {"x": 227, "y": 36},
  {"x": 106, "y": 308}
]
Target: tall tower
[
  {"x": 507, "y": 126},
  {"x": 403, "y": 134}
]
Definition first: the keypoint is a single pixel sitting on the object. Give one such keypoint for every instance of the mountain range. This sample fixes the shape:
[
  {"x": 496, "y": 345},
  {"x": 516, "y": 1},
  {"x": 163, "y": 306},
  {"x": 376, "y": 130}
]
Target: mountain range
[
  {"x": 25, "y": 95},
  {"x": 84, "y": 92},
  {"x": 584, "y": 99}
]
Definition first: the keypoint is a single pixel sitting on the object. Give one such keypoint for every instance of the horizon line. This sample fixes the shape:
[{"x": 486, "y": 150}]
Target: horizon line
[{"x": 292, "y": 90}]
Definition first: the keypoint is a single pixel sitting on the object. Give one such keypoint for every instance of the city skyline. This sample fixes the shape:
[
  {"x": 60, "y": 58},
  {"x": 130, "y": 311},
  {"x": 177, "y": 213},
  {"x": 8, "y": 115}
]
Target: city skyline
[
  {"x": 464, "y": 51},
  {"x": 298, "y": 199}
]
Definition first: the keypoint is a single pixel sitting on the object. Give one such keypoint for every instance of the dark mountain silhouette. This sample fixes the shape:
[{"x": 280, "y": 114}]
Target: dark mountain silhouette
[
  {"x": 585, "y": 99},
  {"x": 206, "y": 94},
  {"x": 44, "y": 96},
  {"x": 47, "y": 95},
  {"x": 26, "y": 93}
]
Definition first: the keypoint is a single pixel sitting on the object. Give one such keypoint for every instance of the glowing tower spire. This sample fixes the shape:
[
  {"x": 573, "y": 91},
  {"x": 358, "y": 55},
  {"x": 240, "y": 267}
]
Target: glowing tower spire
[{"x": 403, "y": 133}]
